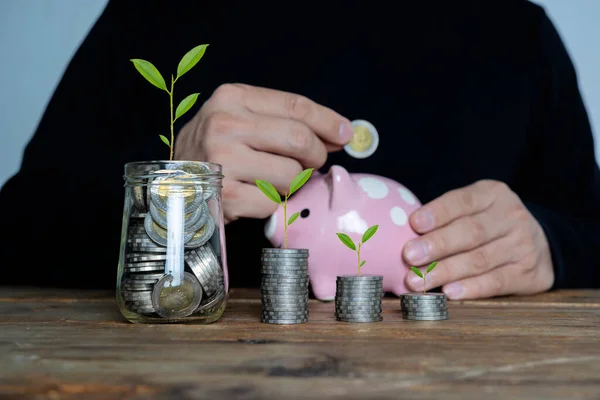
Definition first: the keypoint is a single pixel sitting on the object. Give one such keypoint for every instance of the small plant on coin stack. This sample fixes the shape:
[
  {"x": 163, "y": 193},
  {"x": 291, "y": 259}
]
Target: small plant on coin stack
[
  {"x": 424, "y": 306},
  {"x": 358, "y": 297},
  {"x": 149, "y": 71},
  {"x": 269, "y": 190},
  {"x": 284, "y": 284},
  {"x": 350, "y": 244},
  {"x": 418, "y": 272}
]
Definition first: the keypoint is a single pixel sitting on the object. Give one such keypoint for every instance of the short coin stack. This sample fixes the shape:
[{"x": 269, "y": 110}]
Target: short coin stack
[
  {"x": 424, "y": 306},
  {"x": 284, "y": 286},
  {"x": 358, "y": 298}
]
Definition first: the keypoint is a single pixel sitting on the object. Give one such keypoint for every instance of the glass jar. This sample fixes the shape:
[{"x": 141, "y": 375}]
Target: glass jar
[{"x": 172, "y": 261}]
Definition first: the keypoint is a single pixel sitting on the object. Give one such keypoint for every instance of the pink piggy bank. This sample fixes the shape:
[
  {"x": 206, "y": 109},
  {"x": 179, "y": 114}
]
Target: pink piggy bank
[{"x": 348, "y": 203}]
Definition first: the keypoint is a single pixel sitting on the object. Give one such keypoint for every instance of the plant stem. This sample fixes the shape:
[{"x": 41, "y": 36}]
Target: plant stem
[
  {"x": 285, "y": 223},
  {"x": 359, "y": 259},
  {"x": 424, "y": 281},
  {"x": 172, "y": 133}
]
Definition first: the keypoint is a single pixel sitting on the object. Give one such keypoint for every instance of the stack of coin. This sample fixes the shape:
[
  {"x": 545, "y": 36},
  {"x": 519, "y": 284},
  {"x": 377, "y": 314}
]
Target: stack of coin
[
  {"x": 145, "y": 286},
  {"x": 284, "y": 286},
  {"x": 424, "y": 306},
  {"x": 358, "y": 298}
]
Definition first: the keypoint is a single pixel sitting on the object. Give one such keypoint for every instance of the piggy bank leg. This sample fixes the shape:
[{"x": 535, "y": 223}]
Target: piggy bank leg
[{"x": 323, "y": 286}]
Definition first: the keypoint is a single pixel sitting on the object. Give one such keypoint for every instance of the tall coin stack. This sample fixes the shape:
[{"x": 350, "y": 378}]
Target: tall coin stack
[
  {"x": 358, "y": 298},
  {"x": 424, "y": 306},
  {"x": 284, "y": 286}
]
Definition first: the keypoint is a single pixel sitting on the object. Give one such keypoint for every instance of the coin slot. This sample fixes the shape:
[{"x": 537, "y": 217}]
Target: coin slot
[{"x": 305, "y": 213}]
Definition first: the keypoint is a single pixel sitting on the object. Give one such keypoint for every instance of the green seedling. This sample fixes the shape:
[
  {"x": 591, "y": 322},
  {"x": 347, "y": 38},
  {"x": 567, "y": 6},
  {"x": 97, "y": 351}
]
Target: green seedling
[
  {"x": 272, "y": 193},
  {"x": 350, "y": 244},
  {"x": 149, "y": 71},
  {"x": 417, "y": 271}
]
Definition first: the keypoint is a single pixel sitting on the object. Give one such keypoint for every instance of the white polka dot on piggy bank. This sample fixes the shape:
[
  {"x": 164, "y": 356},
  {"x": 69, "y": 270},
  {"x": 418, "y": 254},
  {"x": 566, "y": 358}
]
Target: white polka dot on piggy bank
[{"x": 349, "y": 203}]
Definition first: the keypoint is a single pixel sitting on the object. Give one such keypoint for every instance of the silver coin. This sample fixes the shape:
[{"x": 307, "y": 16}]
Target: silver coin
[
  {"x": 130, "y": 288},
  {"x": 359, "y": 278},
  {"x": 359, "y": 291},
  {"x": 141, "y": 250},
  {"x": 284, "y": 321},
  {"x": 134, "y": 258},
  {"x": 370, "y": 308},
  {"x": 301, "y": 258},
  {"x": 285, "y": 307},
  {"x": 136, "y": 296},
  {"x": 154, "y": 277},
  {"x": 135, "y": 214},
  {"x": 179, "y": 301},
  {"x": 358, "y": 304},
  {"x": 283, "y": 272},
  {"x": 202, "y": 219},
  {"x": 360, "y": 320},
  {"x": 201, "y": 236},
  {"x": 284, "y": 251},
  {"x": 425, "y": 313},
  {"x": 207, "y": 279},
  {"x": 152, "y": 268},
  {"x": 424, "y": 306},
  {"x": 303, "y": 300},
  {"x": 441, "y": 318},
  {"x": 287, "y": 313},
  {"x": 209, "y": 257},
  {"x": 358, "y": 298},
  {"x": 300, "y": 262},
  {"x": 139, "y": 303},
  {"x": 423, "y": 301},
  {"x": 423, "y": 296}
]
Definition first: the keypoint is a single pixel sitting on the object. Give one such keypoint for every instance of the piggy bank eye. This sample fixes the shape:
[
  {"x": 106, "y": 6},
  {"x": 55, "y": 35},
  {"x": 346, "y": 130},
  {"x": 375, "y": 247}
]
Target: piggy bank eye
[{"x": 304, "y": 213}]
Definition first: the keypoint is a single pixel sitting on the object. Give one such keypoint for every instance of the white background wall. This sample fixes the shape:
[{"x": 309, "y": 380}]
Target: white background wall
[{"x": 38, "y": 37}]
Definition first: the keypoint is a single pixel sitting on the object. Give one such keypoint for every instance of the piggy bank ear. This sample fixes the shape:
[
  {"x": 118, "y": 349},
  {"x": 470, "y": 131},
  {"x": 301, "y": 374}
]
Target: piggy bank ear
[{"x": 342, "y": 188}]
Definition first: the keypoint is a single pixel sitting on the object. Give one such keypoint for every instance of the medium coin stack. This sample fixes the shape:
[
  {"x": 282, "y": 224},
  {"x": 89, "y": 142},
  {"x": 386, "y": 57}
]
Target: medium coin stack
[
  {"x": 358, "y": 298},
  {"x": 284, "y": 286},
  {"x": 144, "y": 284},
  {"x": 424, "y": 306}
]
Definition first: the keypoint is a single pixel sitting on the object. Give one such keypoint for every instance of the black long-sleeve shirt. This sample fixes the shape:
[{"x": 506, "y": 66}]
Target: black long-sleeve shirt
[{"x": 459, "y": 91}]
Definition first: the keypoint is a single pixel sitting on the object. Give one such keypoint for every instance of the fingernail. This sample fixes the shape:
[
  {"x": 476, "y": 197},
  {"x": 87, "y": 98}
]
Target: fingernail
[
  {"x": 416, "y": 251},
  {"x": 415, "y": 282},
  {"x": 346, "y": 132},
  {"x": 453, "y": 290},
  {"x": 423, "y": 219}
]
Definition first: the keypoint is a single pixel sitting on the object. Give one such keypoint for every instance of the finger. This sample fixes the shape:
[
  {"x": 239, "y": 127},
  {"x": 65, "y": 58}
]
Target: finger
[
  {"x": 286, "y": 137},
  {"x": 508, "y": 279},
  {"x": 467, "y": 264},
  {"x": 327, "y": 124},
  {"x": 463, "y": 234},
  {"x": 452, "y": 205},
  {"x": 250, "y": 165},
  {"x": 243, "y": 200}
]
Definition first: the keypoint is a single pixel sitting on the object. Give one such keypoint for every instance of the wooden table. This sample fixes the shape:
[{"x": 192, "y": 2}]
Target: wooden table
[{"x": 76, "y": 345}]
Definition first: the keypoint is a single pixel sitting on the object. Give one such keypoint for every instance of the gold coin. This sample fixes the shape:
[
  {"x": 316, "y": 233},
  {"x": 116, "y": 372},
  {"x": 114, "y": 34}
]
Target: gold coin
[
  {"x": 166, "y": 187},
  {"x": 362, "y": 139},
  {"x": 365, "y": 139}
]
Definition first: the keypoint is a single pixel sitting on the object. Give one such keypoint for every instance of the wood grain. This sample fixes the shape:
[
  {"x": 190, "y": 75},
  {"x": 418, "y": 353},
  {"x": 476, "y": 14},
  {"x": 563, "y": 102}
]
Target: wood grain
[{"x": 75, "y": 345}]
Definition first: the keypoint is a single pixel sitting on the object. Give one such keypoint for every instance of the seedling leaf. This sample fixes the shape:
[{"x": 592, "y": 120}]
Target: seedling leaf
[
  {"x": 431, "y": 266},
  {"x": 165, "y": 140},
  {"x": 185, "y": 105},
  {"x": 190, "y": 59},
  {"x": 300, "y": 179},
  {"x": 293, "y": 218},
  {"x": 346, "y": 240},
  {"x": 363, "y": 263},
  {"x": 369, "y": 233},
  {"x": 417, "y": 271},
  {"x": 269, "y": 190},
  {"x": 149, "y": 71}
]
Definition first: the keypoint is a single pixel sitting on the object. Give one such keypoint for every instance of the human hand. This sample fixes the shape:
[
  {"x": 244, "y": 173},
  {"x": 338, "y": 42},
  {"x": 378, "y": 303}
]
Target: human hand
[
  {"x": 487, "y": 243},
  {"x": 258, "y": 133}
]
